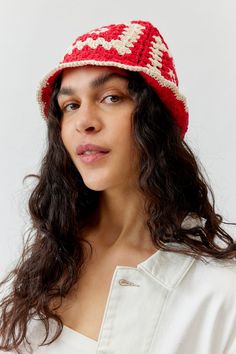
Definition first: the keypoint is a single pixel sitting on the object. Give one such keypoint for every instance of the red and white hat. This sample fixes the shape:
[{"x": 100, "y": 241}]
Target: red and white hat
[{"x": 136, "y": 46}]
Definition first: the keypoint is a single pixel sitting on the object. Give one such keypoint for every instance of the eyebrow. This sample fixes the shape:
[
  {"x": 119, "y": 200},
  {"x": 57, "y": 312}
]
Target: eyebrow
[{"x": 96, "y": 83}]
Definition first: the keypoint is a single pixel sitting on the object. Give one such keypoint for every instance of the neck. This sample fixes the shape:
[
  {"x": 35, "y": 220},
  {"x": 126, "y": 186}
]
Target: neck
[{"x": 120, "y": 220}]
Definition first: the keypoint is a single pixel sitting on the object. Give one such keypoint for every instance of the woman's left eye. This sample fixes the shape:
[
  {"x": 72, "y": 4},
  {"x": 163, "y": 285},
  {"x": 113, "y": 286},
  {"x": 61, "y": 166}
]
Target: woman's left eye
[{"x": 117, "y": 98}]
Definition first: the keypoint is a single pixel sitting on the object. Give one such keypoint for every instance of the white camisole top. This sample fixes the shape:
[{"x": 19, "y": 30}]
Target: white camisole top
[{"x": 69, "y": 342}]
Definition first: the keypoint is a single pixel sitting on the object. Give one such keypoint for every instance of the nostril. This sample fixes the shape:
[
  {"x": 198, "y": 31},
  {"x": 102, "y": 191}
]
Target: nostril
[{"x": 90, "y": 128}]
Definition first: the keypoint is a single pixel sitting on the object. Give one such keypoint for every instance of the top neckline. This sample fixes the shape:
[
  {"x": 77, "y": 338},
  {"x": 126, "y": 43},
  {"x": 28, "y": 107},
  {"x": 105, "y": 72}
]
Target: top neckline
[{"x": 68, "y": 329}]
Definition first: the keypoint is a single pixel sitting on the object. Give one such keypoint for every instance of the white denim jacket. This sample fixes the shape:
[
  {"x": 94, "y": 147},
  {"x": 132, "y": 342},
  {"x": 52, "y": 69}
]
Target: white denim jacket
[{"x": 169, "y": 304}]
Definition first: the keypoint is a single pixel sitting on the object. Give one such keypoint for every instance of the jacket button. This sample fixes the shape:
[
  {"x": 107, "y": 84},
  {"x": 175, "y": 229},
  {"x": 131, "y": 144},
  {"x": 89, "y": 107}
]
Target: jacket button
[{"x": 124, "y": 282}]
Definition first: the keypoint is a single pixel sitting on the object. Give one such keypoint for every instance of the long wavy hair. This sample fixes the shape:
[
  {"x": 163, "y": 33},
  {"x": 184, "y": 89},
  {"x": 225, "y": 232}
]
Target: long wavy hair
[{"x": 60, "y": 207}]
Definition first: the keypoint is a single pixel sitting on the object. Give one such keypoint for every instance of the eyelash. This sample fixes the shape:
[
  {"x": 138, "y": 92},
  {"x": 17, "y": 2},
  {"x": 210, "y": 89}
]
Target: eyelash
[{"x": 72, "y": 103}]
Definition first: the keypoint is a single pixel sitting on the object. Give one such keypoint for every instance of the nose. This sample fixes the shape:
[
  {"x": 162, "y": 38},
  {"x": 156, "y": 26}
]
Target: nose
[{"x": 87, "y": 118}]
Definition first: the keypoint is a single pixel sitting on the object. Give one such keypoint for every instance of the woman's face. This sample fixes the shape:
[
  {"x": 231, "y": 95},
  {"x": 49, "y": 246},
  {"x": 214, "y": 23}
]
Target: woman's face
[{"x": 99, "y": 112}]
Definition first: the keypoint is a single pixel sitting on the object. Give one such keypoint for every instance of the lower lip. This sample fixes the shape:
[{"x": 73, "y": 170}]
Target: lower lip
[{"x": 92, "y": 158}]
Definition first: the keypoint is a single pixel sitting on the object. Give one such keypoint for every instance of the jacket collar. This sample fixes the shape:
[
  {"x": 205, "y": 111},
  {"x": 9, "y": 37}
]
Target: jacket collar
[{"x": 169, "y": 268}]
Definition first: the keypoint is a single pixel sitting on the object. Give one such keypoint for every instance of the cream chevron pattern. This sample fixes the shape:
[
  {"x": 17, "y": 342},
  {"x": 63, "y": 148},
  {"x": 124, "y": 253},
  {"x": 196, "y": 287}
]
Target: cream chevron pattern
[{"x": 129, "y": 36}]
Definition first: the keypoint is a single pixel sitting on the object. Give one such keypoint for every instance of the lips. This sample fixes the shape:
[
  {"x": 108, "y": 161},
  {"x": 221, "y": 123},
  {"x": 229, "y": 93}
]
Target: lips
[{"x": 90, "y": 147}]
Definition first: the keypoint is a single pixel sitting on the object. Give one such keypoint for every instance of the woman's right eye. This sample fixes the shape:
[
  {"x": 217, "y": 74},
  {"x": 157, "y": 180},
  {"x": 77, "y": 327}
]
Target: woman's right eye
[{"x": 66, "y": 108}]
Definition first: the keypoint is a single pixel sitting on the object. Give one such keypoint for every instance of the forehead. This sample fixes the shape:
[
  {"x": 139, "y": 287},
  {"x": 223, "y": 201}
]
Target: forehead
[
  {"x": 89, "y": 77},
  {"x": 86, "y": 73}
]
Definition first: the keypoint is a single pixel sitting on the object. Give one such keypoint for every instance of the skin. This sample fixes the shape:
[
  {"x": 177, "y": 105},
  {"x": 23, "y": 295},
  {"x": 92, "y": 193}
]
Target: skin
[{"x": 92, "y": 115}]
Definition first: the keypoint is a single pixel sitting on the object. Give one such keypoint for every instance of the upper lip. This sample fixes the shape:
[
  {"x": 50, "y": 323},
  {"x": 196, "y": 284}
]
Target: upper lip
[{"x": 90, "y": 147}]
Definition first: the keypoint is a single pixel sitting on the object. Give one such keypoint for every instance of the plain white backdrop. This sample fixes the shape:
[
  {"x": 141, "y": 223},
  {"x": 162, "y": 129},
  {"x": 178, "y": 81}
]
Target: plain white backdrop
[{"x": 33, "y": 38}]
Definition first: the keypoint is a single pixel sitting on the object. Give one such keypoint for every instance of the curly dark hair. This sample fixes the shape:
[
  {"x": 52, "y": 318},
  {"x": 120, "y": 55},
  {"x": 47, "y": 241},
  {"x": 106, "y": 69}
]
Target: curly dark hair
[{"x": 60, "y": 206}]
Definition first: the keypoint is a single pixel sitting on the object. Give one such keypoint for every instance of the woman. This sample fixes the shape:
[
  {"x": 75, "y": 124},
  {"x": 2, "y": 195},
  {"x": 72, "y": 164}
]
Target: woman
[{"x": 127, "y": 255}]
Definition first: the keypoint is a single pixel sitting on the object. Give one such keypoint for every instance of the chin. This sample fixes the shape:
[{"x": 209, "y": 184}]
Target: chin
[{"x": 96, "y": 185}]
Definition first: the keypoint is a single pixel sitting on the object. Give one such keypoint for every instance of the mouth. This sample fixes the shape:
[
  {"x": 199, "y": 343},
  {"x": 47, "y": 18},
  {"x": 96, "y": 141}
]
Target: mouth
[{"x": 92, "y": 156}]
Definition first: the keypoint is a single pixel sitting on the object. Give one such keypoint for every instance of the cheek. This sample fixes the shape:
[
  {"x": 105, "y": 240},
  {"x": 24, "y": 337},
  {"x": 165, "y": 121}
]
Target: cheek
[
  {"x": 124, "y": 142},
  {"x": 122, "y": 129},
  {"x": 63, "y": 137},
  {"x": 66, "y": 138}
]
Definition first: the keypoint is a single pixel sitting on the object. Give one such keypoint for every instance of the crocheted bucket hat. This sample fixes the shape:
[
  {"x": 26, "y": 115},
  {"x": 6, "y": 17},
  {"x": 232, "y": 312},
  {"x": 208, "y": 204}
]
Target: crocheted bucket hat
[{"x": 136, "y": 46}]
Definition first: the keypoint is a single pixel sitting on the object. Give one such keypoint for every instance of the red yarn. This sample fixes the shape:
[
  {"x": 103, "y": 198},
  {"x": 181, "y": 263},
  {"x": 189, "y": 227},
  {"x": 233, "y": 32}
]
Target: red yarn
[{"x": 136, "y": 46}]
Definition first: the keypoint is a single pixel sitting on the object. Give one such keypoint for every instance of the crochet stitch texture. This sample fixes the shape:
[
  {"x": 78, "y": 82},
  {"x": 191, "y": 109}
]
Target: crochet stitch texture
[{"x": 136, "y": 46}]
